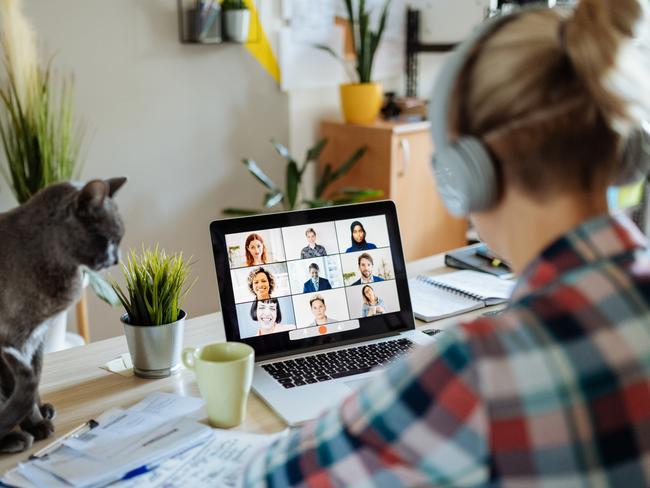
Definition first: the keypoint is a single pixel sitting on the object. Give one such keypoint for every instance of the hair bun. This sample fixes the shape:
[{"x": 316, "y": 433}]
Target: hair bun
[{"x": 596, "y": 39}]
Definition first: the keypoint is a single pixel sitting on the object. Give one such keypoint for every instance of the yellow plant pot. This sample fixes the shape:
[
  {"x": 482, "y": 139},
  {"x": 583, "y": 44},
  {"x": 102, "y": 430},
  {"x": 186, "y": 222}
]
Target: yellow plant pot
[{"x": 361, "y": 102}]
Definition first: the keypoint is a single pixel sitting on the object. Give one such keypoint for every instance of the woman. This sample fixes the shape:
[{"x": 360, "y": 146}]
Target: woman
[
  {"x": 261, "y": 283},
  {"x": 544, "y": 111},
  {"x": 372, "y": 304},
  {"x": 319, "y": 310},
  {"x": 269, "y": 315},
  {"x": 255, "y": 250},
  {"x": 358, "y": 238}
]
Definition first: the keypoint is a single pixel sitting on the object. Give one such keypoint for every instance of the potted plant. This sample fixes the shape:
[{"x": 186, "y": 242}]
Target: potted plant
[
  {"x": 236, "y": 20},
  {"x": 362, "y": 98},
  {"x": 156, "y": 285},
  {"x": 292, "y": 196},
  {"x": 40, "y": 139}
]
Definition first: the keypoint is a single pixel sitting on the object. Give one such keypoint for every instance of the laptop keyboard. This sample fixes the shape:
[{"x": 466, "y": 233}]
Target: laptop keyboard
[{"x": 336, "y": 364}]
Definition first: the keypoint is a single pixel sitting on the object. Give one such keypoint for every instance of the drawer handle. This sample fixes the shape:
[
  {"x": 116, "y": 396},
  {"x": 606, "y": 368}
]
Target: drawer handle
[{"x": 406, "y": 156}]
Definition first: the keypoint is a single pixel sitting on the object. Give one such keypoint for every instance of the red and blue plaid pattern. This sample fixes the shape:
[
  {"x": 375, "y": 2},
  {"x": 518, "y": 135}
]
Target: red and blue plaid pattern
[{"x": 553, "y": 392}]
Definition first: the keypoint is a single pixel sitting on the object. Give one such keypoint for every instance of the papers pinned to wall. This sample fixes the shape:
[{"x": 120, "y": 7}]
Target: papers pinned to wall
[{"x": 309, "y": 22}]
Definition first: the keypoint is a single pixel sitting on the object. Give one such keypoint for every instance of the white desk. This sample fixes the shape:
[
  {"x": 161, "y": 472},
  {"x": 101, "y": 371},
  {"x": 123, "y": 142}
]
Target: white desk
[{"x": 74, "y": 383}]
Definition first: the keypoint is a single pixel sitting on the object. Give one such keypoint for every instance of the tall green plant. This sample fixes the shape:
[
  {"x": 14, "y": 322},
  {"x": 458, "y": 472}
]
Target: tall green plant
[
  {"x": 155, "y": 286},
  {"x": 365, "y": 41},
  {"x": 41, "y": 145},
  {"x": 294, "y": 172}
]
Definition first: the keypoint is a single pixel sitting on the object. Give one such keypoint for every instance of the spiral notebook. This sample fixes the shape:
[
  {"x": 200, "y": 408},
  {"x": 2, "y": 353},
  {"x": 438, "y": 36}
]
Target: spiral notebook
[{"x": 445, "y": 295}]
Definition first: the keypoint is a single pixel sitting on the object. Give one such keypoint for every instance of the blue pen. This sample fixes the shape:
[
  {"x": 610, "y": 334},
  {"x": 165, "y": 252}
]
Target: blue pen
[{"x": 138, "y": 471}]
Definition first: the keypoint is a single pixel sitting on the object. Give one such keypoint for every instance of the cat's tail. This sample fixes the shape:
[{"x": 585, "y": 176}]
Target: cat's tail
[{"x": 19, "y": 404}]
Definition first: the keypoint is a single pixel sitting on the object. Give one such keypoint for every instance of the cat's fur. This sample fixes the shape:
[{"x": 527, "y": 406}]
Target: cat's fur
[{"x": 42, "y": 245}]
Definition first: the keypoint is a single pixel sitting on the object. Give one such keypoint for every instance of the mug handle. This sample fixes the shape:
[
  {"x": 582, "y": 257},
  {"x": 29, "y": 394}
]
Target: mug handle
[{"x": 188, "y": 357}]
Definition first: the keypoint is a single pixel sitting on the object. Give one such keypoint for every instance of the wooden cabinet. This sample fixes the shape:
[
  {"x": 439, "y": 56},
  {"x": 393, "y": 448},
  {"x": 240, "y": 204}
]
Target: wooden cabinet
[{"x": 397, "y": 161}]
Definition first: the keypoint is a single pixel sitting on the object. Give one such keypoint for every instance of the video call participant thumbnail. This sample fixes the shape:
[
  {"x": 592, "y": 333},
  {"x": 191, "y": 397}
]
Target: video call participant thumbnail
[
  {"x": 312, "y": 250},
  {"x": 316, "y": 283},
  {"x": 255, "y": 250},
  {"x": 319, "y": 311},
  {"x": 269, "y": 316},
  {"x": 261, "y": 283},
  {"x": 358, "y": 238},
  {"x": 372, "y": 304},
  {"x": 365, "y": 269}
]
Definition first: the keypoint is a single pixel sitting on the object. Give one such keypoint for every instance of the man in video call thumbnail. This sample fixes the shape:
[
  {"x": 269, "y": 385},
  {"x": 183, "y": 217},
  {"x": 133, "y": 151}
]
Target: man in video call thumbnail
[
  {"x": 365, "y": 268},
  {"x": 315, "y": 283}
]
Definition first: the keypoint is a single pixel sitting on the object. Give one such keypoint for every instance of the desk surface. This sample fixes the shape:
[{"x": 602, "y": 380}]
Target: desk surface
[{"x": 74, "y": 383}]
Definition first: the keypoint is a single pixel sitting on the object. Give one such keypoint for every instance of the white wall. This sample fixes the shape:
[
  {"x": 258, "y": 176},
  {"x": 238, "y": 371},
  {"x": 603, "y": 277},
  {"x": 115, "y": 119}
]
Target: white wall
[{"x": 176, "y": 119}]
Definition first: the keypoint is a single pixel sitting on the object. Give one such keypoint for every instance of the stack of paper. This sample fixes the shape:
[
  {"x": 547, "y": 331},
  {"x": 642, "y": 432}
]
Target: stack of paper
[{"x": 153, "y": 437}]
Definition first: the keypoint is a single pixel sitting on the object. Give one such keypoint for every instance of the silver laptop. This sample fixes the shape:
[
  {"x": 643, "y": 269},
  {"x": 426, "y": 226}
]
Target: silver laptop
[{"x": 322, "y": 297}]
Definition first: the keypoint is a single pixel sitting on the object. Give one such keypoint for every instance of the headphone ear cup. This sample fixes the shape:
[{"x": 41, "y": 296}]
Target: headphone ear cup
[
  {"x": 465, "y": 177},
  {"x": 636, "y": 158}
]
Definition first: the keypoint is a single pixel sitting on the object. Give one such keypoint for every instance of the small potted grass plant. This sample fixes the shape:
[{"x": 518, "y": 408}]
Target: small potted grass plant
[
  {"x": 236, "y": 20},
  {"x": 156, "y": 285}
]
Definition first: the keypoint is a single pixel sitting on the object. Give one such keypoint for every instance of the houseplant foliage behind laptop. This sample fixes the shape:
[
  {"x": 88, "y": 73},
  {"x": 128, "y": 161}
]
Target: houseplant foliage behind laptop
[
  {"x": 292, "y": 197},
  {"x": 156, "y": 285}
]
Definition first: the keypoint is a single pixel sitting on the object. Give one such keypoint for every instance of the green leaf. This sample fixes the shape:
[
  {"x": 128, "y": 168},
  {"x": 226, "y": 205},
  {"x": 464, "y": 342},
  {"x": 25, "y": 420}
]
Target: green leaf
[
  {"x": 314, "y": 152},
  {"x": 240, "y": 211},
  {"x": 102, "y": 287},
  {"x": 351, "y": 195},
  {"x": 293, "y": 180},
  {"x": 282, "y": 150},
  {"x": 317, "y": 203},
  {"x": 272, "y": 199},
  {"x": 349, "y": 163},
  {"x": 260, "y": 175},
  {"x": 324, "y": 180}
]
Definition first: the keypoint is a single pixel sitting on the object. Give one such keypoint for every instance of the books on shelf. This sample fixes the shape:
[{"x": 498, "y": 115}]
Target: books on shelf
[
  {"x": 449, "y": 294},
  {"x": 478, "y": 258}
]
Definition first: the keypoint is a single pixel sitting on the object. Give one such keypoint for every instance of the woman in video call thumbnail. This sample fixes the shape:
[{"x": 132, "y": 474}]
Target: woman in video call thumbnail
[
  {"x": 319, "y": 310},
  {"x": 358, "y": 238},
  {"x": 312, "y": 250},
  {"x": 261, "y": 283},
  {"x": 372, "y": 304},
  {"x": 269, "y": 316},
  {"x": 255, "y": 250}
]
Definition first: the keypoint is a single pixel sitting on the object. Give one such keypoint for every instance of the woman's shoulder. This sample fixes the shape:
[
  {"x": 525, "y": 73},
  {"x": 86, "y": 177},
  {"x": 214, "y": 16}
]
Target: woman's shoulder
[{"x": 370, "y": 245}]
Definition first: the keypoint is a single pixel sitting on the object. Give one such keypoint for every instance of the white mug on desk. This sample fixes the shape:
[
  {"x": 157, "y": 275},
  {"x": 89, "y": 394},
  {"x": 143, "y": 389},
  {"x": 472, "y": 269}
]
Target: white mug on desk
[{"x": 224, "y": 374}]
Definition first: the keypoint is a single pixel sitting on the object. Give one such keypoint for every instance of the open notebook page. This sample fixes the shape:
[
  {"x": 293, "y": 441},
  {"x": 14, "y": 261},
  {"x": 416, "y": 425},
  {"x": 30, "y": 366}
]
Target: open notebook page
[
  {"x": 432, "y": 303},
  {"x": 485, "y": 286}
]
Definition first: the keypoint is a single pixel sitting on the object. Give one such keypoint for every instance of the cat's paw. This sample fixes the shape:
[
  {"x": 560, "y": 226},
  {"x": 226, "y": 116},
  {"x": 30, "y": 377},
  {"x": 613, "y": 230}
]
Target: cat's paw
[
  {"x": 16, "y": 441},
  {"x": 41, "y": 430},
  {"x": 48, "y": 411}
]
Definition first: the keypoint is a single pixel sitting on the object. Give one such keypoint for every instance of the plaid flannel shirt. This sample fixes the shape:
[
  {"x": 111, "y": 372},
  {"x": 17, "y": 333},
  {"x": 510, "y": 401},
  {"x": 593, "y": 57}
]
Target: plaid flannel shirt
[{"x": 555, "y": 391}]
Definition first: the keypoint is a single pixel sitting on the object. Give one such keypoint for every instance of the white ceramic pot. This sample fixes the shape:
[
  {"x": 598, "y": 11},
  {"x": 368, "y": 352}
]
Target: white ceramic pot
[
  {"x": 55, "y": 336},
  {"x": 236, "y": 24}
]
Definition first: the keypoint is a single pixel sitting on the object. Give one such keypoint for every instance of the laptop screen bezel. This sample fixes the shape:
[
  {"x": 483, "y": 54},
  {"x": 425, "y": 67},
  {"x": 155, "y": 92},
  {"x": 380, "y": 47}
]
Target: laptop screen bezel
[{"x": 276, "y": 345}]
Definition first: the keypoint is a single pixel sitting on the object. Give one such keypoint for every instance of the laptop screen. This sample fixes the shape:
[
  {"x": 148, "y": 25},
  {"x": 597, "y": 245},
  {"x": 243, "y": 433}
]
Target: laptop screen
[{"x": 301, "y": 280}]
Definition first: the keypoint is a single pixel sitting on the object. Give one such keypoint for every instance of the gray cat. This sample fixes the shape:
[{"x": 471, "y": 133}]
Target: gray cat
[{"x": 42, "y": 245}]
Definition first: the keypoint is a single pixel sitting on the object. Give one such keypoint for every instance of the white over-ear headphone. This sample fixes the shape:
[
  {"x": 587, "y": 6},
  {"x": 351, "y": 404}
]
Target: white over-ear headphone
[{"x": 465, "y": 172}]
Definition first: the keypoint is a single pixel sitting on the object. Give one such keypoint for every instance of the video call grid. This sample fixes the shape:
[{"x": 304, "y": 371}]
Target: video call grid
[{"x": 287, "y": 261}]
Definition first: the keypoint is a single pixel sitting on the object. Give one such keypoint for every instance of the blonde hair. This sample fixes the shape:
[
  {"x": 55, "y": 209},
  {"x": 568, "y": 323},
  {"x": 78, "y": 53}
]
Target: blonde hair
[{"x": 555, "y": 94}]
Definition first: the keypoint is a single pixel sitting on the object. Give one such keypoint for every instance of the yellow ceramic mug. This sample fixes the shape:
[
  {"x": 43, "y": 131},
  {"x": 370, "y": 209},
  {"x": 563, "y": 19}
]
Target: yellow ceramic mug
[{"x": 224, "y": 373}]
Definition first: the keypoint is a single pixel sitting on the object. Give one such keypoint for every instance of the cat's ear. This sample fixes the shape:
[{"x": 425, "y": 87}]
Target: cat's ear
[
  {"x": 115, "y": 184},
  {"x": 92, "y": 195}
]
